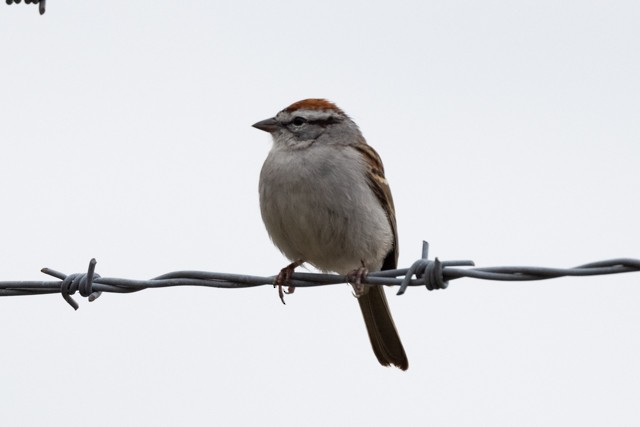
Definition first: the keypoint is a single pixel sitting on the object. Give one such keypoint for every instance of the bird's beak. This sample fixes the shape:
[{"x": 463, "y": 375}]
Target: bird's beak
[{"x": 269, "y": 125}]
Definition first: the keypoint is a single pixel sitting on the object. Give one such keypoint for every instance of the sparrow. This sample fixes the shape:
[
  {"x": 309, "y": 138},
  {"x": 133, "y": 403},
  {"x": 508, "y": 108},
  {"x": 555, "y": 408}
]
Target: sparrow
[{"x": 324, "y": 200}]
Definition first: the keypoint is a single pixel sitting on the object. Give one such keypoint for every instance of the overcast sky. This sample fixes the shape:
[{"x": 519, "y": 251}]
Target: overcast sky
[{"x": 510, "y": 133}]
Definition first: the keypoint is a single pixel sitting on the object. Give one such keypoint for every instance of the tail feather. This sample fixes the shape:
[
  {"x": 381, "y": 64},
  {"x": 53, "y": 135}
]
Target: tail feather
[{"x": 382, "y": 331}]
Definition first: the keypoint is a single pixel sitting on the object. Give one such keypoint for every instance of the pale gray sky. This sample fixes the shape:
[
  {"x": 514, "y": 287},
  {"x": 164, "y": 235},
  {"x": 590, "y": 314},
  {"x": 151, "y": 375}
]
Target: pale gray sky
[{"x": 510, "y": 133}]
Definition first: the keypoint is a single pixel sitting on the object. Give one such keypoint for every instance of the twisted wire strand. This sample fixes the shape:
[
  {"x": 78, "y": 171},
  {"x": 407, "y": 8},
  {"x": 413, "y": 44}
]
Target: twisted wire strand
[{"x": 432, "y": 274}]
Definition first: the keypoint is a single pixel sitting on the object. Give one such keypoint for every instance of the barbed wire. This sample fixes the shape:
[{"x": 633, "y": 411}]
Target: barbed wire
[
  {"x": 432, "y": 274},
  {"x": 41, "y": 8}
]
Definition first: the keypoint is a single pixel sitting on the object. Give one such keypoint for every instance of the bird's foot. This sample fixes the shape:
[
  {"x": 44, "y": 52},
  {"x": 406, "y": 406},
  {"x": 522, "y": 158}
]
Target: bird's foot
[
  {"x": 284, "y": 279},
  {"x": 355, "y": 279}
]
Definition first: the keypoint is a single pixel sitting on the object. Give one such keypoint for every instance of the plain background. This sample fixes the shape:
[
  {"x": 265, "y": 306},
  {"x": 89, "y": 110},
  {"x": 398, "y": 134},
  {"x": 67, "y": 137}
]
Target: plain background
[{"x": 510, "y": 133}]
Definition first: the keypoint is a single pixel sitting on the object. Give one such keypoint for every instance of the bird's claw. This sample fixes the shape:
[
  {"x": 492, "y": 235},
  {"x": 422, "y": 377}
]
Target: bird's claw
[
  {"x": 284, "y": 279},
  {"x": 355, "y": 279}
]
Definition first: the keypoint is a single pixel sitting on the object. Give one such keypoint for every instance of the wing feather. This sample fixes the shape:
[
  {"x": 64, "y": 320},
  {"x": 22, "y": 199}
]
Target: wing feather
[{"x": 380, "y": 188}]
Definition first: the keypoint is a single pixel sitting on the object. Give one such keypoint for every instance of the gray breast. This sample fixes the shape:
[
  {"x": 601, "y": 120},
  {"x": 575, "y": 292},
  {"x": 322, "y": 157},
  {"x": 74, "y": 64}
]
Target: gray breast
[{"x": 317, "y": 206}]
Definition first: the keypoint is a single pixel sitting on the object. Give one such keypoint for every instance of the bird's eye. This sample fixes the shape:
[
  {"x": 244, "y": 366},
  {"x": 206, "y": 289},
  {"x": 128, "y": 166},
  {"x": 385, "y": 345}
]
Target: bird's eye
[{"x": 298, "y": 121}]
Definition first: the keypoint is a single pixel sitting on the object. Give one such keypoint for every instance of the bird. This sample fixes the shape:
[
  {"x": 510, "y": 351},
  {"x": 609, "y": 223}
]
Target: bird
[{"x": 325, "y": 201}]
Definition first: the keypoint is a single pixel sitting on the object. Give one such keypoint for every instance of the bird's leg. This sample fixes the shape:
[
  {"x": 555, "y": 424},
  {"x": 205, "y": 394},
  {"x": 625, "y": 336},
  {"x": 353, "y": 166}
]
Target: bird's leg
[
  {"x": 284, "y": 278},
  {"x": 355, "y": 279}
]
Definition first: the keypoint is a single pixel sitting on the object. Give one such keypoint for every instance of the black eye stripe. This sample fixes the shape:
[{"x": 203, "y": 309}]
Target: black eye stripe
[{"x": 321, "y": 122}]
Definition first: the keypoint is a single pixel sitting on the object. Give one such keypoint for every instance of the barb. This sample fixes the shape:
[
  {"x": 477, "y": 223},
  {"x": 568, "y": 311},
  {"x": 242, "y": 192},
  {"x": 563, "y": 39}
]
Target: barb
[
  {"x": 432, "y": 275},
  {"x": 41, "y": 8}
]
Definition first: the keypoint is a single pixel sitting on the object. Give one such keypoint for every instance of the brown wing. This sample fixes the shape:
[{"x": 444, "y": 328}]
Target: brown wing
[
  {"x": 381, "y": 189},
  {"x": 375, "y": 310}
]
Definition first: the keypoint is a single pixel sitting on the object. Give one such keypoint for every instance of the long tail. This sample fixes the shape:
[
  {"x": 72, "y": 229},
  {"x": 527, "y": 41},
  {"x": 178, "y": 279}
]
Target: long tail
[{"x": 382, "y": 331}]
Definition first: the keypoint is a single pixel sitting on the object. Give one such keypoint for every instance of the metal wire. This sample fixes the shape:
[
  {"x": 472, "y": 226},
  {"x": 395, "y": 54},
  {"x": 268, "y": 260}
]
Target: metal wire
[
  {"x": 433, "y": 275},
  {"x": 41, "y": 8}
]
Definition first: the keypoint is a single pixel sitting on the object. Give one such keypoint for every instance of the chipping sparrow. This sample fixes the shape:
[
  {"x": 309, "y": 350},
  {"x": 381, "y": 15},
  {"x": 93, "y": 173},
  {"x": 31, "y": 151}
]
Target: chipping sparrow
[{"x": 324, "y": 200}]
